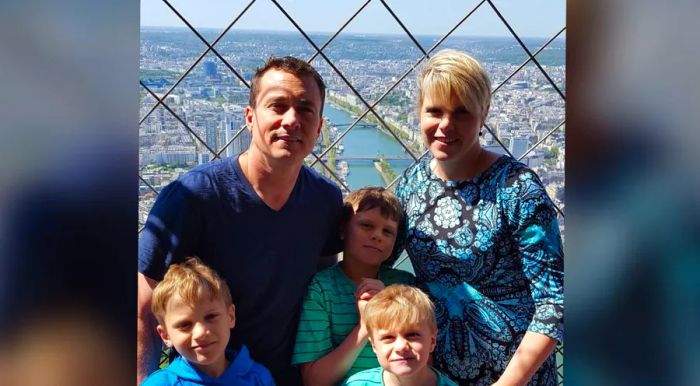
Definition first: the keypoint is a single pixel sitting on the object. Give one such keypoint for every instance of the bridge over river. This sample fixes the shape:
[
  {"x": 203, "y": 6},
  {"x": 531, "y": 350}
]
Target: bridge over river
[{"x": 372, "y": 157}]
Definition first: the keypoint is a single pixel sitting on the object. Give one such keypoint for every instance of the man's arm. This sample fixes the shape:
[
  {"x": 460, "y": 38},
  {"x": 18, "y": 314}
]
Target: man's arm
[{"x": 147, "y": 341}]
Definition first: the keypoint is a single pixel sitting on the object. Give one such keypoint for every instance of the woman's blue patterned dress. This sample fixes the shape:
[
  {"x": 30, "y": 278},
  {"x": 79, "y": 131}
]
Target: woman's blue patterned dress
[{"x": 488, "y": 252}]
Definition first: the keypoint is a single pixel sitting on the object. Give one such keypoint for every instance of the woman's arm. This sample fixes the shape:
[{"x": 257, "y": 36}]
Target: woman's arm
[
  {"x": 528, "y": 357},
  {"x": 539, "y": 244}
]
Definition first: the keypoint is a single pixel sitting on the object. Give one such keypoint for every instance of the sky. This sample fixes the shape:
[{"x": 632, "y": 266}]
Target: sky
[{"x": 529, "y": 18}]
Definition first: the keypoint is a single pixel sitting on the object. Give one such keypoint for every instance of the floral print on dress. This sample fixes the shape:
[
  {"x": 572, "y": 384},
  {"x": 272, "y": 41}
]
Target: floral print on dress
[{"x": 488, "y": 252}]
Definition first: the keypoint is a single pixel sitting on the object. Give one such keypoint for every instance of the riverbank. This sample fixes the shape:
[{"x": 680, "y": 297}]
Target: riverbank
[
  {"x": 362, "y": 145},
  {"x": 403, "y": 133},
  {"x": 385, "y": 171}
]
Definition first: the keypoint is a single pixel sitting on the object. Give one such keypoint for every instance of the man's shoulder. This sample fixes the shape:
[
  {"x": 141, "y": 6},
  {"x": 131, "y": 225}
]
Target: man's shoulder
[
  {"x": 369, "y": 377},
  {"x": 320, "y": 182},
  {"x": 211, "y": 169},
  {"x": 203, "y": 176}
]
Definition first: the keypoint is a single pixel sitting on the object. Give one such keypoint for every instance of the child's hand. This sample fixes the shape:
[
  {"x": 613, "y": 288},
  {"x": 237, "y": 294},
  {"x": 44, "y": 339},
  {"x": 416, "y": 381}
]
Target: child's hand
[{"x": 365, "y": 291}]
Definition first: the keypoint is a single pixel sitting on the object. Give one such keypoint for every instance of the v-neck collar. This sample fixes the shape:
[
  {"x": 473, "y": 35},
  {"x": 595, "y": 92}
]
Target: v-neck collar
[{"x": 236, "y": 166}]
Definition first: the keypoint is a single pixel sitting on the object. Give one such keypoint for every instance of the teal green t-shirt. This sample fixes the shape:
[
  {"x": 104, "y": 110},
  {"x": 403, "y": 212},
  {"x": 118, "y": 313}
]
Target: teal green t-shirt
[
  {"x": 373, "y": 377},
  {"x": 329, "y": 313}
]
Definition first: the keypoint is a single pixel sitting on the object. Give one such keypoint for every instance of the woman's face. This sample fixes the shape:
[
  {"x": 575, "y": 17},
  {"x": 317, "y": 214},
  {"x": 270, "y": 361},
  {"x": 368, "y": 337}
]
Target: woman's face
[{"x": 449, "y": 129}]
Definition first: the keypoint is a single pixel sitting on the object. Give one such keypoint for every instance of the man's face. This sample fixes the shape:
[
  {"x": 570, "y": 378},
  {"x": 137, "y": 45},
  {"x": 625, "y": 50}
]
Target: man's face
[
  {"x": 199, "y": 334},
  {"x": 286, "y": 120},
  {"x": 403, "y": 352}
]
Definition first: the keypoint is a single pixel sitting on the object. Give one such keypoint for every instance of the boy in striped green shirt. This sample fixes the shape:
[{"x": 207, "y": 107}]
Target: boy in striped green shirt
[{"x": 331, "y": 342}]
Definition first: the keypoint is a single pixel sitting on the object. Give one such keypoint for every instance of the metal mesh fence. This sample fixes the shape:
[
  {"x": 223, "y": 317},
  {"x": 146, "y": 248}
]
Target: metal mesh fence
[{"x": 168, "y": 106}]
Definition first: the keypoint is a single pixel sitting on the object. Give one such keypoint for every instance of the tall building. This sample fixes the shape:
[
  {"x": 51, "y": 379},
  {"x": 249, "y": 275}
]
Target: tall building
[
  {"x": 241, "y": 142},
  {"x": 212, "y": 137},
  {"x": 518, "y": 146},
  {"x": 232, "y": 123},
  {"x": 210, "y": 69}
]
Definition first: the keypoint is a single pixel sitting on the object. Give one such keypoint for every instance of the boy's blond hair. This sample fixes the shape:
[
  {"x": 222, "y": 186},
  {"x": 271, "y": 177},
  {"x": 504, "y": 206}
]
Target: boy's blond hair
[
  {"x": 372, "y": 197},
  {"x": 454, "y": 73},
  {"x": 399, "y": 307},
  {"x": 192, "y": 280}
]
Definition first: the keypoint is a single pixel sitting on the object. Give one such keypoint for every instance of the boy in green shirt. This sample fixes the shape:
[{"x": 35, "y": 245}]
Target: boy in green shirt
[{"x": 331, "y": 342}]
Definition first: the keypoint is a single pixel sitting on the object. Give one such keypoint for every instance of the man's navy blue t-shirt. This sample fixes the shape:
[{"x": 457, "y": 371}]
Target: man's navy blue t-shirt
[{"x": 267, "y": 257}]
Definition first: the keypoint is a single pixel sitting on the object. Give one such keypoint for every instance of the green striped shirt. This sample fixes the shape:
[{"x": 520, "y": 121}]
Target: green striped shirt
[
  {"x": 329, "y": 314},
  {"x": 373, "y": 377}
]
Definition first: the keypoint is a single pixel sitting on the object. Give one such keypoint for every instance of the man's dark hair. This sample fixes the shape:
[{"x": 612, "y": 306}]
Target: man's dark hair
[{"x": 291, "y": 65}]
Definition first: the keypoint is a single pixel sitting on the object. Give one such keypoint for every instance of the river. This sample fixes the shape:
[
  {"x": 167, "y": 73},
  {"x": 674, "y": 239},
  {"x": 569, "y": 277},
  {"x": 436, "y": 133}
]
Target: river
[{"x": 365, "y": 141}]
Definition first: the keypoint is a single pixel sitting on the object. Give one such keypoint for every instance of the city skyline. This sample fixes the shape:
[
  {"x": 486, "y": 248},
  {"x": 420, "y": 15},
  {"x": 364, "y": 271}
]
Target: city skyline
[
  {"x": 528, "y": 18},
  {"x": 526, "y": 110}
]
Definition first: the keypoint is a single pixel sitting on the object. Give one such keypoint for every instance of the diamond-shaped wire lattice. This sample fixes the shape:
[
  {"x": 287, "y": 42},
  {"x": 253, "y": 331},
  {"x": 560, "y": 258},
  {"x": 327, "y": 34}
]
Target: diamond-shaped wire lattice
[{"x": 369, "y": 111}]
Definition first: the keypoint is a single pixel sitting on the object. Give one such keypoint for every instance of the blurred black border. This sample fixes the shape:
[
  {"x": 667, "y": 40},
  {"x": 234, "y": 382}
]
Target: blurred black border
[
  {"x": 632, "y": 249},
  {"x": 68, "y": 191}
]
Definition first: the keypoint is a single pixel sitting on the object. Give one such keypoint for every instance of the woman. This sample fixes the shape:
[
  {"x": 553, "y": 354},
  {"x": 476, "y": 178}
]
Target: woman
[{"x": 483, "y": 238}]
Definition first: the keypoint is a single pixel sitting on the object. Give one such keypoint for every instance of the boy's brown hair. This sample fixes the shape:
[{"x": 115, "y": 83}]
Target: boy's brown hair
[
  {"x": 192, "y": 280},
  {"x": 401, "y": 307},
  {"x": 389, "y": 206},
  {"x": 369, "y": 198}
]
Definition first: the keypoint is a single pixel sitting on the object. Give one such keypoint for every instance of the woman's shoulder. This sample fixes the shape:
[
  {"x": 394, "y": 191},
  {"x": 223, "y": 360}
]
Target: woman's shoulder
[
  {"x": 419, "y": 169},
  {"x": 412, "y": 177},
  {"x": 509, "y": 172}
]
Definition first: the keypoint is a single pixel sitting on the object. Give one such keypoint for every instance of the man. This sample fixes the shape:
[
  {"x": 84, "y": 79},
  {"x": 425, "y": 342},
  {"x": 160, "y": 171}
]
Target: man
[{"x": 261, "y": 219}]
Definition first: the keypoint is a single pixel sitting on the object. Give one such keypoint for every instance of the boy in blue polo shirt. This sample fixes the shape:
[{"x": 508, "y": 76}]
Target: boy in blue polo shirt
[
  {"x": 331, "y": 342},
  {"x": 195, "y": 316}
]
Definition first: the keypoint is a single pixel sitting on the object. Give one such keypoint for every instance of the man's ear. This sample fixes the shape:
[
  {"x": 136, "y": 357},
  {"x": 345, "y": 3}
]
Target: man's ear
[
  {"x": 164, "y": 335},
  {"x": 231, "y": 316},
  {"x": 320, "y": 126},
  {"x": 249, "y": 118}
]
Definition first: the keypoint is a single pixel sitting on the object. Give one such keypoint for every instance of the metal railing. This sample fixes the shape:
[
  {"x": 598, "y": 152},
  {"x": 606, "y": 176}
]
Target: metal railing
[{"x": 369, "y": 107}]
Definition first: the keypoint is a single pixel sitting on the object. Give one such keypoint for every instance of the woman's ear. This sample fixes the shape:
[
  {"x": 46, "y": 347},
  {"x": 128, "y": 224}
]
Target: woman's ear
[{"x": 485, "y": 114}]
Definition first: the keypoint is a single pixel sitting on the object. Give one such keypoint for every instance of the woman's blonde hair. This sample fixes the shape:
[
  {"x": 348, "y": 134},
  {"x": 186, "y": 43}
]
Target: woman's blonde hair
[
  {"x": 191, "y": 280},
  {"x": 399, "y": 307},
  {"x": 451, "y": 73}
]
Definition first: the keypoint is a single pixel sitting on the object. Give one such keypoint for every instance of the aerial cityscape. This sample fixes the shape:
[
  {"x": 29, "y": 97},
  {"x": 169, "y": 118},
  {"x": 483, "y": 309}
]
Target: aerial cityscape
[{"x": 526, "y": 111}]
